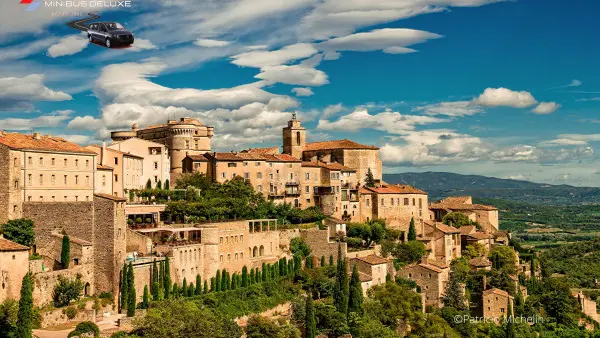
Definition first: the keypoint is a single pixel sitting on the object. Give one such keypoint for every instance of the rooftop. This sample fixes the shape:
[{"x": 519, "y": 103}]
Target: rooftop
[
  {"x": 103, "y": 167},
  {"x": 115, "y": 151},
  {"x": 373, "y": 260},
  {"x": 336, "y": 144},
  {"x": 442, "y": 227},
  {"x": 497, "y": 292},
  {"x": 396, "y": 189},
  {"x": 251, "y": 156},
  {"x": 457, "y": 206},
  {"x": 197, "y": 158},
  {"x": 480, "y": 262},
  {"x": 41, "y": 143},
  {"x": 111, "y": 197},
  {"x": 6, "y": 245},
  {"x": 467, "y": 229},
  {"x": 269, "y": 150},
  {"x": 330, "y": 166}
]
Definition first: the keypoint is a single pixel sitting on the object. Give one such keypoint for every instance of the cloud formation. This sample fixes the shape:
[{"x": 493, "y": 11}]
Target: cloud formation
[
  {"x": 68, "y": 45},
  {"x": 300, "y": 91},
  {"x": 20, "y": 93},
  {"x": 504, "y": 97},
  {"x": 210, "y": 43},
  {"x": 546, "y": 108}
]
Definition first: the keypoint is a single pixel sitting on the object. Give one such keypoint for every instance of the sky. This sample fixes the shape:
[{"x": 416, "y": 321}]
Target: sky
[{"x": 508, "y": 89}]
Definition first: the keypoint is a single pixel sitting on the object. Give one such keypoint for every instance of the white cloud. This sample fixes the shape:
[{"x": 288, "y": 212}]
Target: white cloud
[
  {"x": 25, "y": 49},
  {"x": 141, "y": 44},
  {"x": 546, "y": 108},
  {"x": 332, "y": 110},
  {"x": 261, "y": 59},
  {"x": 581, "y": 137},
  {"x": 390, "y": 40},
  {"x": 85, "y": 123},
  {"x": 19, "y": 93},
  {"x": 210, "y": 43},
  {"x": 69, "y": 45},
  {"x": 79, "y": 139},
  {"x": 55, "y": 119},
  {"x": 575, "y": 83},
  {"x": 504, "y": 97},
  {"x": 453, "y": 109},
  {"x": 562, "y": 142},
  {"x": 293, "y": 75},
  {"x": 391, "y": 122},
  {"x": 302, "y": 91}
]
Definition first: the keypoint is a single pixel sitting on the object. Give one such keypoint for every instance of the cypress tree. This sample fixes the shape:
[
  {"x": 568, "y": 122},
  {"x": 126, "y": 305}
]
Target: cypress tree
[
  {"x": 276, "y": 270},
  {"x": 198, "y": 290},
  {"x": 258, "y": 276},
  {"x": 205, "y": 291},
  {"x": 331, "y": 260},
  {"x": 297, "y": 264},
  {"x": 183, "y": 290},
  {"x": 264, "y": 272},
  {"x": 244, "y": 276},
  {"x": 145, "y": 298},
  {"x": 510, "y": 325},
  {"x": 124, "y": 288},
  {"x": 310, "y": 321},
  {"x": 25, "y": 312},
  {"x": 159, "y": 184},
  {"x": 131, "y": 294},
  {"x": 217, "y": 281},
  {"x": 161, "y": 281},
  {"x": 252, "y": 276},
  {"x": 148, "y": 184},
  {"x": 213, "y": 284},
  {"x": 340, "y": 292},
  {"x": 167, "y": 276},
  {"x": 167, "y": 184},
  {"x": 175, "y": 291},
  {"x": 290, "y": 267},
  {"x": 322, "y": 261},
  {"x": 412, "y": 231},
  {"x": 190, "y": 290},
  {"x": 65, "y": 252},
  {"x": 224, "y": 280},
  {"x": 370, "y": 179},
  {"x": 273, "y": 271},
  {"x": 154, "y": 286},
  {"x": 355, "y": 301}
]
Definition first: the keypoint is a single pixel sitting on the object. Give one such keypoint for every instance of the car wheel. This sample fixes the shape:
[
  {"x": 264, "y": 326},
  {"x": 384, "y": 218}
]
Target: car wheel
[
  {"x": 90, "y": 38},
  {"x": 107, "y": 42}
]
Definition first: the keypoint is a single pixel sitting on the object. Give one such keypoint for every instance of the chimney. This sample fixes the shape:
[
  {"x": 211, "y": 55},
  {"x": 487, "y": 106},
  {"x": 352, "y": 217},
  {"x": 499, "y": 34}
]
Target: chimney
[
  {"x": 36, "y": 135},
  {"x": 103, "y": 154},
  {"x": 484, "y": 282}
]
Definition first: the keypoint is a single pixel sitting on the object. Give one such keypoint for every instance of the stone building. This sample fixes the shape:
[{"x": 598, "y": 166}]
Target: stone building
[
  {"x": 156, "y": 165},
  {"x": 14, "y": 265},
  {"x": 431, "y": 277},
  {"x": 183, "y": 137},
  {"x": 40, "y": 168},
  {"x": 480, "y": 263},
  {"x": 588, "y": 306},
  {"x": 485, "y": 215},
  {"x": 104, "y": 180},
  {"x": 127, "y": 169},
  {"x": 495, "y": 303},
  {"x": 397, "y": 204},
  {"x": 446, "y": 241},
  {"x": 372, "y": 270}
]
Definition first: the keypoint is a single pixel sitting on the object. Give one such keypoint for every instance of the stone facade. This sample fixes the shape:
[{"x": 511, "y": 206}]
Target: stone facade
[
  {"x": 495, "y": 303},
  {"x": 397, "y": 205},
  {"x": 45, "y": 282},
  {"x": 76, "y": 218},
  {"x": 485, "y": 215},
  {"x": 321, "y": 245},
  {"x": 447, "y": 241},
  {"x": 430, "y": 278},
  {"x": 156, "y": 164},
  {"x": 372, "y": 270},
  {"x": 14, "y": 264},
  {"x": 127, "y": 169}
]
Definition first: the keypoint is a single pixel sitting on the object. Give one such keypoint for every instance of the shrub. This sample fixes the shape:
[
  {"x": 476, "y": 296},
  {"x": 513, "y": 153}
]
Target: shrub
[
  {"x": 130, "y": 221},
  {"x": 148, "y": 220},
  {"x": 138, "y": 220},
  {"x": 19, "y": 231},
  {"x": 354, "y": 242},
  {"x": 71, "y": 312},
  {"x": 120, "y": 334},
  {"x": 36, "y": 256},
  {"x": 106, "y": 295},
  {"x": 66, "y": 291},
  {"x": 87, "y": 327}
]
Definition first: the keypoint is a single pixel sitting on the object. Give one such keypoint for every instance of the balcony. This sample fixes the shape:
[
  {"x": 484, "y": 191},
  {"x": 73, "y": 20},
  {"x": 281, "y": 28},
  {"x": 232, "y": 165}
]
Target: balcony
[
  {"x": 292, "y": 183},
  {"x": 292, "y": 193},
  {"x": 324, "y": 190}
]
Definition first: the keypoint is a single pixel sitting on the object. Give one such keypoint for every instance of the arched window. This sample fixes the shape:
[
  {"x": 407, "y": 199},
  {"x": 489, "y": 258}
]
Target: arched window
[
  {"x": 255, "y": 252},
  {"x": 298, "y": 138},
  {"x": 262, "y": 250}
]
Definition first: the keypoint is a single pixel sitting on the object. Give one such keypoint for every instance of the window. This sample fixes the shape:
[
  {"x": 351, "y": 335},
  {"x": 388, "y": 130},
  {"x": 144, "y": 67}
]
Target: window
[
  {"x": 65, "y": 162},
  {"x": 155, "y": 165},
  {"x": 103, "y": 180},
  {"x": 241, "y": 255},
  {"x": 291, "y": 176},
  {"x": 257, "y": 164},
  {"x": 52, "y": 178},
  {"x": 367, "y": 202},
  {"x": 53, "y": 198},
  {"x": 65, "y": 179},
  {"x": 221, "y": 259},
  {"x": 231, "y": 165},
  {"x": 229, "y": 257},
  {"x": 382, "y": 202},
  {"x": 271, "y": 176},
  {"x": 41, "y": 161},
  {"x": 307, "y": 189},
  {"x": 232, "y": 175},
  {"x": 187, "y": 144},
  {"x": 502, "y": 310},
  {"x": 76, "y": 163},
  {"x": 308, "y": 200},
  {"x": 414, "y": 202},
  {"x": 307, "y": 176},
  {"x": 420, "y": 203},
  {"x": 246, "y": 175},
  {"x": 245, "y": 164},
  {"x": 259, "y": 175},
  {"x": 236, "y": 256},
  {"x": 41, "y": 198},
  {"x": 87, "y": 180},
  {"x": 392, "y": 201},
  {"x": 15, "y": 162},
  {"x": 87, "y": 163},
  {"x": 196, "y": 144},
  {"x": 76, "y": 179},
  {"x": 29, "y": 198},
  {"x": 155, "y": 179},
  {"x": 76, "y": 198},
  {"x": 29, "y": 179},
  {"x": 259, "y": 188},
  {"x": 116, "y": 160},
  {"x": 220, "y": 240},
  {"x": 16, "y": 184},
  {"x": 29, "y": 160},
  {"x": 116, "y": 178},
  {"x": 406, "y": 201},
  {"x": 223, "y": 175},
  {"x": 65, "y": 198}
]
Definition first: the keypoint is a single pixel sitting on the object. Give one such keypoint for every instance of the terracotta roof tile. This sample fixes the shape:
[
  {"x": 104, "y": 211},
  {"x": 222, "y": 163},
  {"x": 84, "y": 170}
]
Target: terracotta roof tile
[
  {"x": 442, "y": 227},
  {"x": 480, "y": 262},
  {"x": 74, "y": 240},
  {"x": 269, "y": 150},
  {"x": 430, "y": 267},
  {"x": 336, "y": 144},
  {"x": 6, "y": 245},
  {"x": 111, "y": 197},
  {"x": 197, "y": 158},
  {"x": 44, "y": 143},
  {"x": 110, "y": 150},
  {"x": 103, "y": 167},
  {"x": 330, "y": 166},
  {"x": 396, "y": 189},
  {"x": 373, "y": 260},
  {"x": 480, "y": 235},
  {"x": 497, "y": 292},
  {"x": 467, "y": 229},
  {"x": 363, "y": 277},
  {"x": 364, "y": 191},
  {"x": 437, "y": 263}
]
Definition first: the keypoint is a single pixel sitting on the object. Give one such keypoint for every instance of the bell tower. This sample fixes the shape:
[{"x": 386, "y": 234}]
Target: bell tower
[{"x": 294, "y": 138}]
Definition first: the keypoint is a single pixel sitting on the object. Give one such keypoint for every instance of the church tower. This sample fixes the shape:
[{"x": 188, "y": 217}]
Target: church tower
[{"x": 294, "y": 138}]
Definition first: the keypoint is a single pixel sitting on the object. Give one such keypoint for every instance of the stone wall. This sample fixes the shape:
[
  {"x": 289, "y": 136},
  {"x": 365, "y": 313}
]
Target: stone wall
[
  {"x": 142, "y": 276},
  {"x": 58, "y": 317},
  {"x": 13, "y": 267},
  {"x": 285, "y": 237},
  {"x": 139, "y": 243},
  {"x": 76, "y": 218},
  {"x": 319, "y": 242},
  {"x": 431, "y": 282},
  {"x": 44, "y": 282},
  {"x": 495, "y": 305}
]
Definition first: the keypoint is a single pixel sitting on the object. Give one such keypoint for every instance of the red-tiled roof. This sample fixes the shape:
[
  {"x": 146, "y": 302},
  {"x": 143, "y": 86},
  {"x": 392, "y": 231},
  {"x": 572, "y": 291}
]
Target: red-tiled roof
[
  {"x": 6, "y": 245},
  {"x": 373, "y": 260},
  {"x": 396, "y": 189},
  {"x": 363, "y": 277},
  {"x": 497, "y": 292},
  {"x": 280, "y": 158},
  {"x": 364, "y": 191},
  {"x": 269, "y": 150},
  {"x": 479, "y": 235},
  {"x": 456, "y": 199},
  {"x": 111, "y": 197},
  {"x": 430, "y": 267},
  {"x": 74, "y": 240},
  {"x": 330, "y": 166},
  {"x": 114, "y": 151},
  {"x": 103, "y": 167},
  {"x": 197, "y": 158},
  {"x": 437, "y": 263},
  {"x": 467, "y": 229},
  {"x": 336, "y": 144},
  {"x": 44, "y": 143},
  {"x": 251, "y": 156},
  {"x": 466, "y": 207},
  {"x": 480, "y": 262}
]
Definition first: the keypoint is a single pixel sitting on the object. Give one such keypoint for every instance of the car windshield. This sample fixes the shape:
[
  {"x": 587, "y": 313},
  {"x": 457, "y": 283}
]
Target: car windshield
[{"x": 114, "y": 26}]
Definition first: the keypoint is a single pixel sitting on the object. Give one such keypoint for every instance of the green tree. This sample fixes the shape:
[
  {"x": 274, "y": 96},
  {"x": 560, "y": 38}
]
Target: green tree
[
  {"x": 503, "y": 259},
  {"x": 330, "y": 260},
  {"x": 198, "y": 290},
  {"x": 412, "y": 231},
  {"x": 8, "y": 318},
  {"x": 205, "y": 291},
  {"x": 460, "y": 267},
  {"x": 19, "y": 231},
  {"x": 167, "y": 184},
  {"x": 67, "y": 290},
  {"x": 473, "y": 250},
  {"x": 190, "y": 290},
  {"x": 155, "y": 285},
  {"x": 145, "y": 298},
  {"x": 322, "y": 261},
  {"x": 510, "y": 325},
  {"x": 245, "y": 276},
  {"x": 299, "y": 247},
  {"x": 454, "y": 294},
  {"x": 25, "y": 314},
  {"x": 340, "y": 292},
  {"x": 132, "y": 299},
  {"x": 224, "y": 281},
  {"x": 175, "y": 291},
  {"x": 159, "y": 184},
  {"x": 149, "y": 184},
  {"x": 370, "y": 179},
  {"x": 167, "y": 276},
  {"x": 457, "y": 219},
  {"x": 183, "y": 291},
  {"x": 310, "y": 323},
  {"x": 217, "y": 281},
  {"x": 124, "y": 288},
  {"x": 355, "y": 301},
  {"x": 409, "y": 252},
  {"x": 65, "y": 252},
  {"x": 83, "y": 328}
]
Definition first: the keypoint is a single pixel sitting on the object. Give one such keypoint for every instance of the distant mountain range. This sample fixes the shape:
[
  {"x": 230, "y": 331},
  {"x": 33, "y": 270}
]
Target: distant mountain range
[{"x": 440, "y": 184}]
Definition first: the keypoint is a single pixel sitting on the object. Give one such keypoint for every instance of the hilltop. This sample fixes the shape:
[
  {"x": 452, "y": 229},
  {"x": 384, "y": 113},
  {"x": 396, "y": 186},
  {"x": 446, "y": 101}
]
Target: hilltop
[{"x": 441, "y": 184}]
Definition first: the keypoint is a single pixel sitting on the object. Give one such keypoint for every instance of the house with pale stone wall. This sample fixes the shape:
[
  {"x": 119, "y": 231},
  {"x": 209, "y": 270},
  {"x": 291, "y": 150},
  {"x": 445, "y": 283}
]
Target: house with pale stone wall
[
  {"x": 372, "y": 270},
  {"x": 431, "y": 277},
  {"x": 485, "y": 215},
  {"x": 14, "y": 265}
]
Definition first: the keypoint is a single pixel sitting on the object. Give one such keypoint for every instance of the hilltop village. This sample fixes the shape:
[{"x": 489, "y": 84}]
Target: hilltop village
[{"x": 104, "y": 201}]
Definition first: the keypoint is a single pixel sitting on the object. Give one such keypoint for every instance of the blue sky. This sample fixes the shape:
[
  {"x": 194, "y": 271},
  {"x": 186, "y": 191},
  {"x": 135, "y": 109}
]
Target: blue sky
[{"x": 500, "y": 88}]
